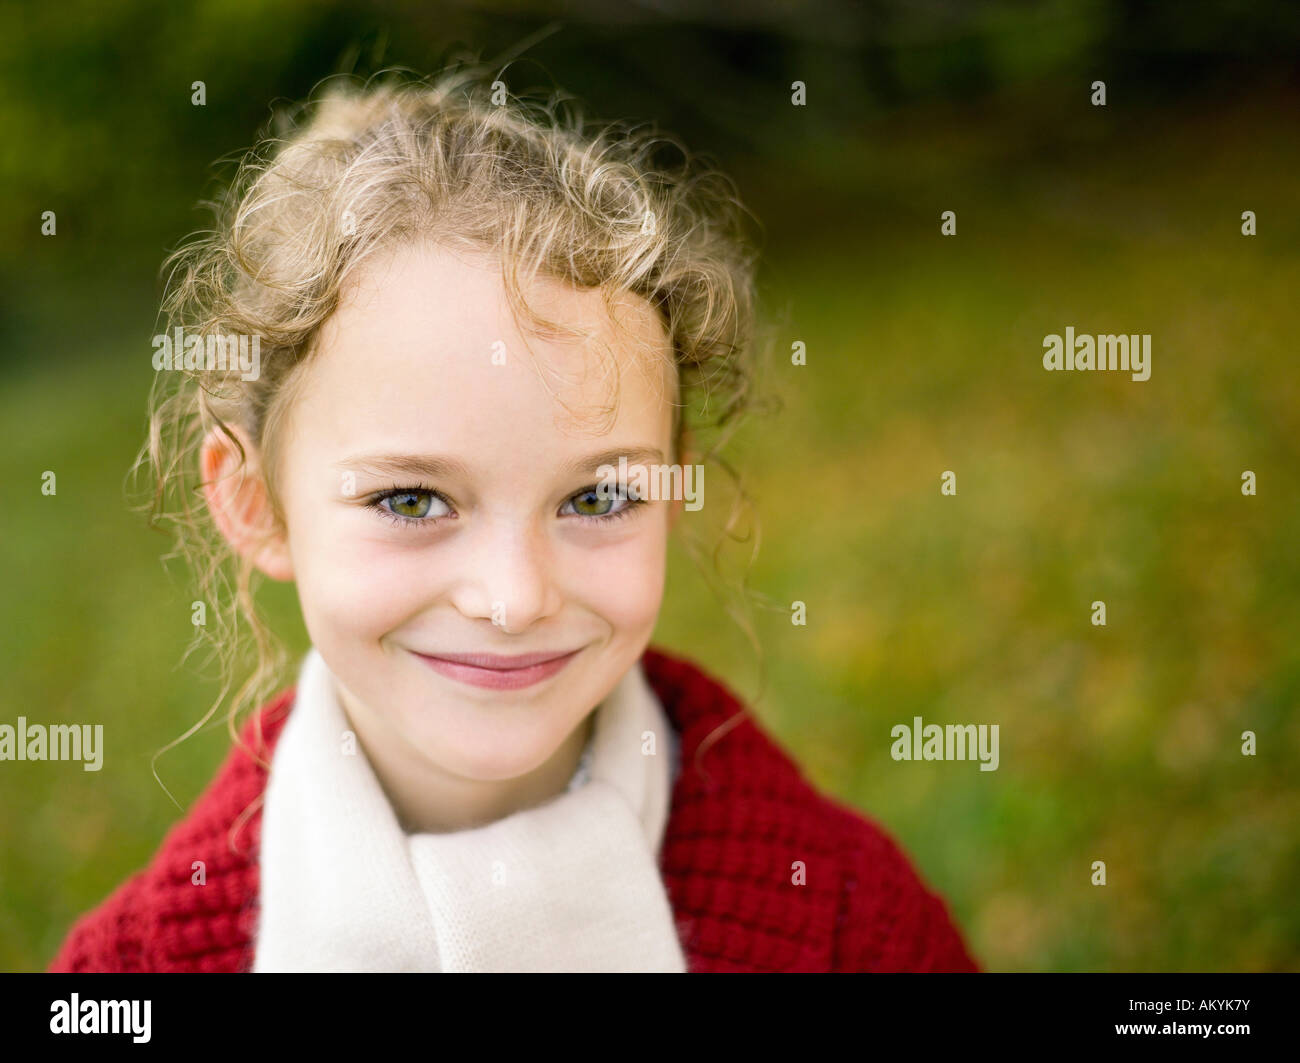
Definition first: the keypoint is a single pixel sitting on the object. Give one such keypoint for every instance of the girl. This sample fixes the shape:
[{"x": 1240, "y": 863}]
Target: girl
[{"x": 483, "y": 338}]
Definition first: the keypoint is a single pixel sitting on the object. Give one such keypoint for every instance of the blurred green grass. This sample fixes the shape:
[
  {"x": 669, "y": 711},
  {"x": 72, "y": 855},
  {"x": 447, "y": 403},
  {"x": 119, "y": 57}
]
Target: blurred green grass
[{"x": 1118, "y": 744}]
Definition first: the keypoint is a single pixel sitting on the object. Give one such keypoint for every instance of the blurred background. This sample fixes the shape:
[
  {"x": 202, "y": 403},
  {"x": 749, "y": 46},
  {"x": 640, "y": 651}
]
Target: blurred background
[{"x": 1119, "y": 743}]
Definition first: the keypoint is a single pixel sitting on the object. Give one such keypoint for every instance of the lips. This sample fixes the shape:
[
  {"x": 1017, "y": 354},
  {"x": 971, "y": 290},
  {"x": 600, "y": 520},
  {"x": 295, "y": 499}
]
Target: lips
[
  {"x": 499, "y": 663},
  {"x": 498, "y": 672}
]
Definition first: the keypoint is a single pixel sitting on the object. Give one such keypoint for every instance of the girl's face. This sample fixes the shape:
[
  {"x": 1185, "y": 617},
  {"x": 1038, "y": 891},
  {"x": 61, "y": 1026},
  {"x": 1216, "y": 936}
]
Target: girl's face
[{"x": 438, "y": 503}]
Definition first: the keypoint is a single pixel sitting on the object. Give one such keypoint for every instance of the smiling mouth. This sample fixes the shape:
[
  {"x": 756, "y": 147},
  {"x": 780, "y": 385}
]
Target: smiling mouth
[{"x": 496, "y": 672}]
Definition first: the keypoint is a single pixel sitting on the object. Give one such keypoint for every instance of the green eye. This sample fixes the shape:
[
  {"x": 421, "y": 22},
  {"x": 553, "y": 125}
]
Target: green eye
[
  {"x": 410, "y": 503},
  {"x": 609, "y": 504},
  {"x": 590, "y": 504}
]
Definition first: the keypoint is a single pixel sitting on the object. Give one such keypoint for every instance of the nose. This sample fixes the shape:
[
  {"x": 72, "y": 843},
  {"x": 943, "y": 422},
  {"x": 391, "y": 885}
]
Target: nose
[{"x": 507, "y": 575}]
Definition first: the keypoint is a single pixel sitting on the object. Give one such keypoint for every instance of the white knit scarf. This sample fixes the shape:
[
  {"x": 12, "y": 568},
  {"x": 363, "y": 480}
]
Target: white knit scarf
[{"x": 569, "y": 885}]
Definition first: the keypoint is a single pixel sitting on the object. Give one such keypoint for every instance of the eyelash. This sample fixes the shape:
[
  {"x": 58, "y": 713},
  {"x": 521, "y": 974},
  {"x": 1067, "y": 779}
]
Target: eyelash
[{"x": 376, "y": 501}]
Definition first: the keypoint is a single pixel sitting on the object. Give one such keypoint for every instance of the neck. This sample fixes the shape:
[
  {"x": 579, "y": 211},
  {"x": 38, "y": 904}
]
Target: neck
[{"x": 428, "y": 800}]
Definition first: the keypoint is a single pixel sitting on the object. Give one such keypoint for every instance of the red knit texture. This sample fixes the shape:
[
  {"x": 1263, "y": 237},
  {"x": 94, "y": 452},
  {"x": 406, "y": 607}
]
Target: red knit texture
[{"x": 738, "y": 821}]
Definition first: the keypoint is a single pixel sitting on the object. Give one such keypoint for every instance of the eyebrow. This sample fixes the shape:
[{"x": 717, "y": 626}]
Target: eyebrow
[{"x": 439, "y": 467}]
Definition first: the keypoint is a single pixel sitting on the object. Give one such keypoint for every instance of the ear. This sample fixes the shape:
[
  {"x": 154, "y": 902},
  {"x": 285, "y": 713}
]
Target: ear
[{"x": 240, "y": 504}]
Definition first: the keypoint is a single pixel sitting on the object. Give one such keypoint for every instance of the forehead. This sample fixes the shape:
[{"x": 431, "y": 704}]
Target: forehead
[{"x": 426, "y": 346}]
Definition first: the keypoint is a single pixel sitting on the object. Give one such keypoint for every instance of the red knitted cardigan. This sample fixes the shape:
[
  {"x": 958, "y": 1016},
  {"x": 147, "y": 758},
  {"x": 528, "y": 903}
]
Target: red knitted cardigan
[{"x": 738, "y": 822}]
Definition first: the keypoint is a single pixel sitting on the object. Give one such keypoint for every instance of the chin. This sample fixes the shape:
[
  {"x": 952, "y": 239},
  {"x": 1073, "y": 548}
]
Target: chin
[
  {"x": 491, "y": 766},
  {"x": 516, "y": 743}
]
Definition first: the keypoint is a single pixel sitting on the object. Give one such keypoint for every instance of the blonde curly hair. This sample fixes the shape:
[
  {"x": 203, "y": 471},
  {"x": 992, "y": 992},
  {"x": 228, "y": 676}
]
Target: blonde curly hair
[{"x": 363, "y": 167}]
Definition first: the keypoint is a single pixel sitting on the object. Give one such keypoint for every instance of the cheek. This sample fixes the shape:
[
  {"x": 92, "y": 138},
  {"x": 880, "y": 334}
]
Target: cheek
[
  {"x": 353, "y": 588},
  {"x": 624, "y": 582}
]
